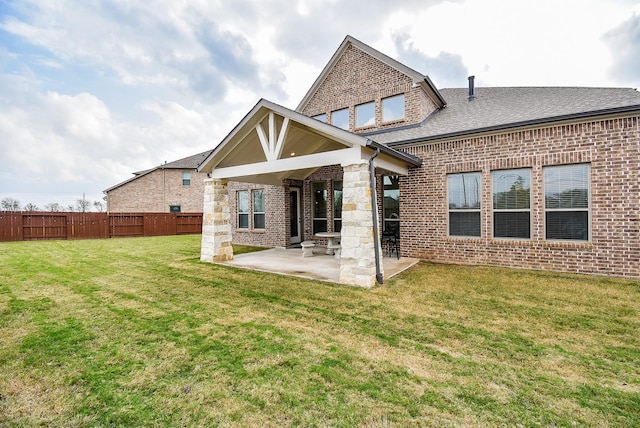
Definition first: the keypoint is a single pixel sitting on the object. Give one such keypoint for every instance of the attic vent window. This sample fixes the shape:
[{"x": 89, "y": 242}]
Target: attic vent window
[{"x": 393, "y": 108}]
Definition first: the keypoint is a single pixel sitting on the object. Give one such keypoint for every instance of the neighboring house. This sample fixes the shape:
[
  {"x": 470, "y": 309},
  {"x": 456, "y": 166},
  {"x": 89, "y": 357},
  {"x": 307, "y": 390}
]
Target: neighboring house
[
  {"x": 171, "y": 187},
  {"x": 526, "y": 177}
]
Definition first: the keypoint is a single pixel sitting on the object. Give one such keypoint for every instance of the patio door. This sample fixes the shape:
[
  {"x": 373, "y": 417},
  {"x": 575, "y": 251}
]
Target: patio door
[{"x": 294, "y": 215}]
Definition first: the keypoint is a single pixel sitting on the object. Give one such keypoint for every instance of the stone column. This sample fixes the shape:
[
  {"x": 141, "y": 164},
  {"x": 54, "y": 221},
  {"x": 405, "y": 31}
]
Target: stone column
[
  {"x": 357, "y": 260},
  {"x": 216, "y": 222}
]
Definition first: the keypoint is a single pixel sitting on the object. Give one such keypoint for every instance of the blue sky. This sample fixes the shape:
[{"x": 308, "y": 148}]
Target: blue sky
[{"x": 93, "y": 91}]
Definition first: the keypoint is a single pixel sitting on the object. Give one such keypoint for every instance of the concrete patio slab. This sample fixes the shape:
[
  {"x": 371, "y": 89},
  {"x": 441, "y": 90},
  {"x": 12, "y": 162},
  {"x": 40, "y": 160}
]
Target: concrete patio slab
[{"x": 322, "y": 267}]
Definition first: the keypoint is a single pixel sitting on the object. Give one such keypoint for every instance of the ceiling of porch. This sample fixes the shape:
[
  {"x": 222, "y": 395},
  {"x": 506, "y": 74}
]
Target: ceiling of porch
[{"x": 273, "y": 143}]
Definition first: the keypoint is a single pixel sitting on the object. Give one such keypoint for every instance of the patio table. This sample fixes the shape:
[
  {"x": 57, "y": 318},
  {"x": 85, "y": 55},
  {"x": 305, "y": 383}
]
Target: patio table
[{"x": 330, "y": 237}]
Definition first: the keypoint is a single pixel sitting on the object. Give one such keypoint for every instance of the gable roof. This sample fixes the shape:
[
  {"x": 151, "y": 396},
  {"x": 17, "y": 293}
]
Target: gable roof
[
  {"x": 418, "y": 78},
  {"x": 496, "y": 109},
  {"x": 190, "y": 162},
  {"x": 303, "y": 135}
]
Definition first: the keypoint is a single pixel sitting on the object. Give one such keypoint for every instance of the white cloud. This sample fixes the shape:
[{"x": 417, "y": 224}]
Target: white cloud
[
  {"x": 519, "y": 42},
  {"x": 625, "y": 41},
  {"x": 92, "y": 91}
]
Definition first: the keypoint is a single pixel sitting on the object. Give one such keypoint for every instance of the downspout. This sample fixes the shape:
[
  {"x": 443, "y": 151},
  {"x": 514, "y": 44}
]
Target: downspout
[{"x": 374, "y": 215}]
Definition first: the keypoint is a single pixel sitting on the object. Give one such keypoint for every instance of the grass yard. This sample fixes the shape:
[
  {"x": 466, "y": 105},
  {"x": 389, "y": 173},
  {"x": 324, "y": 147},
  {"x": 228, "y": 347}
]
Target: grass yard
[{"x": 138, "y": 332}]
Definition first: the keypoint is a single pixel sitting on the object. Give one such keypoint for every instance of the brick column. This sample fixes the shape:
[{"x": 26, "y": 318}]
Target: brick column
[
  {"x": 216, "y": 223},
  {"x": 357, "y": 262}
]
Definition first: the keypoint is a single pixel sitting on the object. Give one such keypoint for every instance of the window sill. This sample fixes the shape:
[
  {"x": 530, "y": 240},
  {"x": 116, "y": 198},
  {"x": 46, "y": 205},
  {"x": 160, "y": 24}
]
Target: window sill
[
  {"x": 394, "y": 122},
  {"x": 464, "y": 238},
  {"x": 514, "y": 242},
  {"x": 567, "y": 244},
  {"x": 365, "y": 128}
]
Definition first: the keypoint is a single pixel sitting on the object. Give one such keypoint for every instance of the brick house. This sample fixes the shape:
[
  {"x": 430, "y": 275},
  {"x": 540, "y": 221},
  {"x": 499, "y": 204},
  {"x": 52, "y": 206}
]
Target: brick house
[
  {"x": 171, "y": 187},
  {"x": 526, "y": 177}
]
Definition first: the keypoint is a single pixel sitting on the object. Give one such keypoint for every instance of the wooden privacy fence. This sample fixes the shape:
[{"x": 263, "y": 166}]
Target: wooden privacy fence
[{"x": 27, "y": 226}]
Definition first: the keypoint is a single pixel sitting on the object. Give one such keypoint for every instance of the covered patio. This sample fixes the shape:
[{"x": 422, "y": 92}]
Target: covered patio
[
  {"x": 273, "y": 144},
  {"x": 321, "y": 267}
]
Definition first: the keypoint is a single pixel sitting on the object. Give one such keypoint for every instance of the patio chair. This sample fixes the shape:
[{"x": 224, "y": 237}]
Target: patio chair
[{"x": 391, "y": 240}]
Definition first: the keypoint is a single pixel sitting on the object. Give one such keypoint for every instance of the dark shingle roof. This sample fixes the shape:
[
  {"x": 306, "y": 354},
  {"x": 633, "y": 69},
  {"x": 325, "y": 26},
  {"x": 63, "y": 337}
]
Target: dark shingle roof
[
  {"x": 501, "y": 108},
  {"x": 190, "y": 162}
]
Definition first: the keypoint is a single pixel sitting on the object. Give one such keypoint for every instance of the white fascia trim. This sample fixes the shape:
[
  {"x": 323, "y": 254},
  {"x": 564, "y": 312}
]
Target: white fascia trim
[{"x": 316, "y": 160}]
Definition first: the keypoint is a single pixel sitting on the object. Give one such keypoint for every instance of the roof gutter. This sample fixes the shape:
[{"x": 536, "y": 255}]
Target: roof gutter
[
  {"x": 434, "y": 91},
  {"x": 411, "y": 160},
  {"x": 515, "y": 125}
]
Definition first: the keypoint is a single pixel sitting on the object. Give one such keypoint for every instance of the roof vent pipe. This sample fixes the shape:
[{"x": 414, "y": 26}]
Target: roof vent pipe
[{"x": 472, "y": 89}]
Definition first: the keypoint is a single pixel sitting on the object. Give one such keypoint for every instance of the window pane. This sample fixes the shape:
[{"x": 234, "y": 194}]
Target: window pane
[
  {"x": 365, "y": 114},
  {"x": 393, "y": 108},
  {"x": 186, "y": 178},
  {"x": 512, "y": 189},
  {"x": 566, "y": 186},
  {"x": 258, "y": 221},
  {"x": 319, "y": 190},
  {"x": 464, "y": 223},
  {"x": 512, "y": 224},
  {"x": 319, "y": 226},
  {"x": 243, "y": 209},
  {"x": 243, "y": 201},
  {"x": 464, "y": 191},
  {"x": 321, "y": 117},
  {"x": 567, "y": 225},
  {"x": 391, "y": 201},
  {"x": 340, "y": 118},
  {"x": 243, "y": 221},
  {"x": 258, "y": 201},
  {"x": 319, "y": 201},
  {"x": 258, "y": 209},
  {"x": 337, "y": 200}
]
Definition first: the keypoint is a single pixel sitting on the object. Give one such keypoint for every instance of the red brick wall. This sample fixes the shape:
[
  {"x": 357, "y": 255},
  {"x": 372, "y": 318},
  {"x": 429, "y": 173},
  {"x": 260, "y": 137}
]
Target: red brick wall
[
  {"x": 358, "y": 78},
  {"x": 611, "y": 147},
  {"x": 276, "y": 232},
  {"x": 156, "y": 191}
]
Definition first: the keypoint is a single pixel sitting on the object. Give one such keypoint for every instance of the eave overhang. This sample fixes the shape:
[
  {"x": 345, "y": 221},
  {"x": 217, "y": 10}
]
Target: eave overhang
[{"x": 568, "y": 118}]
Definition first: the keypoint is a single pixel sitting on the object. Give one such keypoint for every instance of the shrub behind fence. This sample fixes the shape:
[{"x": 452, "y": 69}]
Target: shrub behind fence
[{"x": 27, "y": 226}]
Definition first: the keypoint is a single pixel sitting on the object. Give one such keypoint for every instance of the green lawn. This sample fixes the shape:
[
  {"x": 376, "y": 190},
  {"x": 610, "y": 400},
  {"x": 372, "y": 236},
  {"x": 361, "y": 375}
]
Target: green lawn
[{"x": 138, "y": 332}]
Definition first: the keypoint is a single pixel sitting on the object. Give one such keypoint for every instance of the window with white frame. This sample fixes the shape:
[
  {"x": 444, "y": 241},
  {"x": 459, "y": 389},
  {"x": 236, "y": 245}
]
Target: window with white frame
[
  {"x": 512, "y": 203},
  {"x": 393, "y": 108},
  {"x": 243, "y": 209},
  {"x": 319, "y": 206},
  {"x": 566, "y": 202},
  {"x": 340, "y": 118},
  {"x": 365, "y": 114},
  {"x": 186, "y": 178},
  {"x": 464, "y": 194},
  {"x": 337, "y": 206},
  {"x": 258, "y": 209}
]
